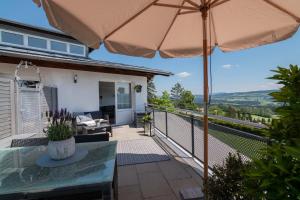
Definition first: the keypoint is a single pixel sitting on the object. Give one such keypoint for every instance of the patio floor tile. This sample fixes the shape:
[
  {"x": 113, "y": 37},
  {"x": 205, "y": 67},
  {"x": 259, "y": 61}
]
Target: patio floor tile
[
  {"x": 173, "y": 170},
  {"x": 195, "y": 176},
  {"x": 130, "y": 193},
  {"x": 165, "y": 197},
  {"x": 179, "y": 184},
  {"x": 153, "y": 184},
  {"x": 127, "y": 175},
  {"x": 147, "y": 167}
]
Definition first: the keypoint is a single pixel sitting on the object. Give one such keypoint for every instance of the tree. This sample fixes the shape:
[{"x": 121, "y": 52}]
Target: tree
[
  {"x": 164, "y": 102},
  {"x": 176, "y": 92},
  {"x": 231, "y": 112},
  {"x": 276, "y": 174},
  {"x": 151, "y": 91},
  {"x": 186, "y": 100}
]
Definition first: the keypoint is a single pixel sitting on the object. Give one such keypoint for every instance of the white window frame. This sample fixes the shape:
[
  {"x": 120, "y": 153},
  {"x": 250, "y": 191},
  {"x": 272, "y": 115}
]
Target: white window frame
[{"x": 48, "y": 40}]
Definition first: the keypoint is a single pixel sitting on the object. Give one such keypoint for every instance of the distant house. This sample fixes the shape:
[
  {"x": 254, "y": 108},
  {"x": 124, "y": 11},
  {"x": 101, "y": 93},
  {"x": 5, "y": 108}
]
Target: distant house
[{"x": 43, "y": 70}]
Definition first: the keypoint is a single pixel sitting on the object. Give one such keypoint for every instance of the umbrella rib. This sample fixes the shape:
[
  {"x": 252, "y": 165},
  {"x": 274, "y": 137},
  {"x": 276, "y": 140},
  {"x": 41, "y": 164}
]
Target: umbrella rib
[
  {"x": 170, "y": 26},
  {"x": 193, "y": 3},
  {"x": 188, "y": 12},
  {"x": 283, "y": 10},
  {"x": 218, "y": 3},
  {"x": 175, "y": 6},
  {"x": 130, "y": 19}
]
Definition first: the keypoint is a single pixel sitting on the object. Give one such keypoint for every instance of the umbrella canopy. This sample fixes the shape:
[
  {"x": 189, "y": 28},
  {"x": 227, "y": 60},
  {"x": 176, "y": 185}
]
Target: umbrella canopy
[{"x": 175, "y": 28}]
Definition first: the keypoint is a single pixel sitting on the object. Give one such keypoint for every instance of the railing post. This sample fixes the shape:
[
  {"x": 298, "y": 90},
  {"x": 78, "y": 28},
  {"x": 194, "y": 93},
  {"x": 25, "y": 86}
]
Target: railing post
[
  {"x": 166, "y": 123},
  {"x": 153, "y": 110},
  {"x": 193, "y": 135},
  {"x": 153, "y": 120}
]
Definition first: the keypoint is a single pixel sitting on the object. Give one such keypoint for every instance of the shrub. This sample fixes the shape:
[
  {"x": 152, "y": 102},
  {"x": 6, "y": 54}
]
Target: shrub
[
  {"x": 256, "y": 131},
  {"x": 227, "y": 181},
  {"x": 276, "y": 174},
  {"x": 146, "y": 118}
]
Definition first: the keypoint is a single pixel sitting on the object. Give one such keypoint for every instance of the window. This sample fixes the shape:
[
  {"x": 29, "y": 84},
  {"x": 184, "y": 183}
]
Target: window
[
  {"x": 12, "y": 38},
  {"x": 37, "y": 42},
  {"x": 124, "y": 95},
  {"x": 58, "y": 46},
  {"x": 75, "y": 49}
]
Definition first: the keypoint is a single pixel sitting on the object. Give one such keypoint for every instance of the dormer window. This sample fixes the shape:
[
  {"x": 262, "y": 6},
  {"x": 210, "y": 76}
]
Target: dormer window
[
  {"x": 37, "y": 42},
  {"x": 12, "y": 38},
  {"x": 58, "y": 46},
  {"x": 76, "y": 49}
]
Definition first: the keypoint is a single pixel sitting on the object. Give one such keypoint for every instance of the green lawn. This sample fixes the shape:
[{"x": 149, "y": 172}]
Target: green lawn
[{"x": 246, "y": 146}]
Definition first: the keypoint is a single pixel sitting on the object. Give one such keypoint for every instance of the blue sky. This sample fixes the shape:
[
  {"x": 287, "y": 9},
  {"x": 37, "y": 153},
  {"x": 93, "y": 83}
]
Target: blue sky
[{"x": 236, "y": 71}]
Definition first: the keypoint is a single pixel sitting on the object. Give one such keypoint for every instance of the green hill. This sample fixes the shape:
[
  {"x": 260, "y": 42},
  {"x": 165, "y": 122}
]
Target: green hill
[{"x": 252, "y": 98}]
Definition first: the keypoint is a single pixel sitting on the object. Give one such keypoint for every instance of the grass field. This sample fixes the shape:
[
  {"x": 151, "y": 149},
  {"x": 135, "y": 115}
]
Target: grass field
[{"x": 246, "y": 146}]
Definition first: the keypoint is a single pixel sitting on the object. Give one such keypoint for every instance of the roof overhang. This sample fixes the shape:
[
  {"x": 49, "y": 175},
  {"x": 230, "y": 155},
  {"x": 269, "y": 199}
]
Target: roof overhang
[{"x": 75, "y": 63}]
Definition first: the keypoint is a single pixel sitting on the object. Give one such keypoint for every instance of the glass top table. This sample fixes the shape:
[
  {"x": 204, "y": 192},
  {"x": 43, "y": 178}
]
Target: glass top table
[{"x": 21, "y": 177}]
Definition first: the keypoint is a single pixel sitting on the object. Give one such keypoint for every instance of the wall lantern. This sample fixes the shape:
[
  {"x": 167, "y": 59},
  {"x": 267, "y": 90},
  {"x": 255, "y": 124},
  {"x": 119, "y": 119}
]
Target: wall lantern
[
  {"x": 138, "y": 88},
  {"x": 75, "y": 78}
]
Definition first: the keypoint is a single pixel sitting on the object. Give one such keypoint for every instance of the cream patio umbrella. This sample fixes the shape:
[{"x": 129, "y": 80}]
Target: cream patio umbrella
[{"x": 175, "y": 28}]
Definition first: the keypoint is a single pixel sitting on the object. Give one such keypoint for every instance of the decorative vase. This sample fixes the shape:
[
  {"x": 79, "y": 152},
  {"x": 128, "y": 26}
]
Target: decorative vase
[{"x": 59, "y": 150}]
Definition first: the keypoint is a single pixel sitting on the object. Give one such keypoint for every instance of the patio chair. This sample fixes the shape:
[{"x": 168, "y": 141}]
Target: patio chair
[
  {"x": 27, "y": 142},
  {"x": 95, "y": 116}
]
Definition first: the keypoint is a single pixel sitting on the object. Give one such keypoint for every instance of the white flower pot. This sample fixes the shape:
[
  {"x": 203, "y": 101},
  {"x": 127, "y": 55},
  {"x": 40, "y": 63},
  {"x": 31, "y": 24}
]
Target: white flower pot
[
  {"x": 59, "y": 150},
  {"x": 147, "y": 127}
]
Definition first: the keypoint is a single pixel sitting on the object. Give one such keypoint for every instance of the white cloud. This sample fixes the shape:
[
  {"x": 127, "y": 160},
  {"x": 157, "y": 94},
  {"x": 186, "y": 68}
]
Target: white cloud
[
  {"x": 183, "y": 74},
  {"x": 229, "y": 66}
]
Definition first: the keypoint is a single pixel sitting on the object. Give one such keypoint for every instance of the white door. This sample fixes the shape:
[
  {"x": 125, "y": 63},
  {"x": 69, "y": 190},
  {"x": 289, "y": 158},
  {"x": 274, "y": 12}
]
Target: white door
[
  {"x": 30, "y": 121},
  {"x": 124, "y": 113}
]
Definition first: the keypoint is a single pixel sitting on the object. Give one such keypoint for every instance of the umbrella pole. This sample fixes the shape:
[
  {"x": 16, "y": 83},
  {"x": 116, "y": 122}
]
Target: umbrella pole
[{"x": 205, "y": 99}]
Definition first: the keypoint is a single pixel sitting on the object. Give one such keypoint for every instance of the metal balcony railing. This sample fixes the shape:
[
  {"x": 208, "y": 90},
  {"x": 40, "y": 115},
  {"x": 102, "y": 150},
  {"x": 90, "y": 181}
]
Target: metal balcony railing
[{"x": 186, "y": 130}]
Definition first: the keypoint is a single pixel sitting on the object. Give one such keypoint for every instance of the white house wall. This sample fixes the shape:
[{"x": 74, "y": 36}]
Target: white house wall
[{"x": 83, "y": 95}]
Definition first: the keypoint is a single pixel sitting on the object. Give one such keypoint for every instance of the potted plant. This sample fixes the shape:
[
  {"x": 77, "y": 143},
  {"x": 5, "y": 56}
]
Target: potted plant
[
  {"x": 147, "y": 123},
  {"x": 138, "y": 88},
  {"x": 61, "y": 143}
]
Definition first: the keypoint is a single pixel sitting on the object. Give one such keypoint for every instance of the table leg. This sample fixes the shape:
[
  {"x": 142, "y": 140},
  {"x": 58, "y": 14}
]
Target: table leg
[
  {"x": 115, "y": 182},
  {"x": 106, "y": 193}
]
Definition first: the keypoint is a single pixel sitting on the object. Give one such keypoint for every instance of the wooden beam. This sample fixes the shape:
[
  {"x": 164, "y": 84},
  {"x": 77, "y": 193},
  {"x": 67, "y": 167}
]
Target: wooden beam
[
  {"x": 130, "y": 19},
  {"x": 175, "y": 6},
  {"x": 283, "y": 10}
]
